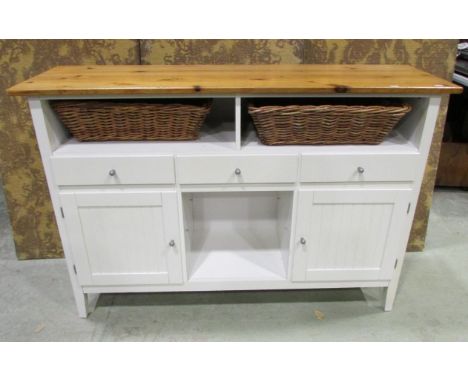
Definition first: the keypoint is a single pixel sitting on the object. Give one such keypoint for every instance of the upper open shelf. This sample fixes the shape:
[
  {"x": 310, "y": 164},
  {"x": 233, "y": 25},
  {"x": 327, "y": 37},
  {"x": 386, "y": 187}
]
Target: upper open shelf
[{"x": 229, "y": 130}]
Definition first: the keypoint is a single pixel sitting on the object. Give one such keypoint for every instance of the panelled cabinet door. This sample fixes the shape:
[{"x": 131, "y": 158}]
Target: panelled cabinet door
[
  {"x": 347, "y": 235},
  {"x": 124, "y": 237}
]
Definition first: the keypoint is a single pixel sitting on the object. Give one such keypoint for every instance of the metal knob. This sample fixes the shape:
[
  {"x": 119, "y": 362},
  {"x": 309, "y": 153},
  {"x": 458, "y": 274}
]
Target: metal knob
[
  {"x": 360, "y": 170},
  {"x": 172, "y": 243},
  {"x": 237, "y": 171},
  {"x": 112, "y": 172},
  {"x": 303, "y": 241}
]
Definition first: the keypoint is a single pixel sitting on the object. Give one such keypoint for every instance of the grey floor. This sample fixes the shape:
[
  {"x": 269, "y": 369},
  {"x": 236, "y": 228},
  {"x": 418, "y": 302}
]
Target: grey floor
[{"x": 36, "y": 303}]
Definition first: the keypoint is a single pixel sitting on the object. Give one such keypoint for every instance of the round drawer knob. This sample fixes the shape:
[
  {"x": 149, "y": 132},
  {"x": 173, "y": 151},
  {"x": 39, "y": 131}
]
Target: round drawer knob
[
  {"x": 172, "y": 243},
  {"x": 360, "y": 170},
  {"x": 237, "y": 171},
  {"x": 112, "y": 172},
  {"x": 303, "y": 241}
]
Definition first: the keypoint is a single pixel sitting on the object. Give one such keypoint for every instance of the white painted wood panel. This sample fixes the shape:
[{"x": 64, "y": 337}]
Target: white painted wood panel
[
  {"x": 128, "y": 170},
  {"x": 426, "y": 126},
  {"x": 236, "y": 169},
  {"x": 123, "y": 237},
  {"x": 217, "y": 285},
  {"x": 222, "y": 141},
  {"x": 354, "y": 231},
  {"x": 284, "y": 224},
  {"x": 237, "y": 235},
  {"x": 346, "y": 168},
  {"x": 348, "y": 234},
  {"x": 48, "y": 137}
]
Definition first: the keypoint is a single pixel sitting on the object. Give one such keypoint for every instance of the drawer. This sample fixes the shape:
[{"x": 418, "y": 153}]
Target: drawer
[
  {"x": 236, "y": 169},
  {"x": 356, "y": 168},
  {"x": 109, "y": 171}
]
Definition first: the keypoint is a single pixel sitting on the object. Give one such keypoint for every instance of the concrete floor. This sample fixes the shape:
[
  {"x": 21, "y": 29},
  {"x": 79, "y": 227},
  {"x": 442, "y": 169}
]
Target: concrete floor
[{"x": 36, "y": 303}]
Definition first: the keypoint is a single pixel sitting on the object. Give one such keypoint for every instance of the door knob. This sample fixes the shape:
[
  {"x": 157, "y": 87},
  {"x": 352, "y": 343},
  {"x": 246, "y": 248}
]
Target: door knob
[
  {"x": 172, "y": 243},
  {"x": 237, "y": 171},
  {"x": 303, "y": 241},
  {"x": 360, "y": 170},
  {"x": 112, "y": 172}
]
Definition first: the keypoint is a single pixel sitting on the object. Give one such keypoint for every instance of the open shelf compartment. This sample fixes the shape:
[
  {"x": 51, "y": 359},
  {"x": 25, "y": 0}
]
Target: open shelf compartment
[
  {"x": 236, "y": 236},
  {"x": 218, "y": 133},
  {"x": 405, "y": 137},
  {"x": 229, "y": 129}
]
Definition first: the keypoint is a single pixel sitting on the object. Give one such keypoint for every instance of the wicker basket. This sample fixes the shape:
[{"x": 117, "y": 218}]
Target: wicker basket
[
  {"x": 132, "y": 120},
  {"x": 326, "y": 124}
]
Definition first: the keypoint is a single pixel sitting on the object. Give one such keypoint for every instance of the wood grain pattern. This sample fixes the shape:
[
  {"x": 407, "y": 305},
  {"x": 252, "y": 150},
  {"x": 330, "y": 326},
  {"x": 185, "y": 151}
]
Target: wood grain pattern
[{"x": 233, "y": 79}]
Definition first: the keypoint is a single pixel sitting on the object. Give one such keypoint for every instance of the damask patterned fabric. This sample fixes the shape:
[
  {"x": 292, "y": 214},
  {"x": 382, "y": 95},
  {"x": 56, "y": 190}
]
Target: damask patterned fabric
[
  {"x": 34, "y": 227},
  {"x": 191, "y": 52}
]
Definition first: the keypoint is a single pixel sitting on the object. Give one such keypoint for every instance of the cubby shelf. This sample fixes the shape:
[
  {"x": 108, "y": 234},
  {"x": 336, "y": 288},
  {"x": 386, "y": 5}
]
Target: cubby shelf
[
  {"x": 221, "y": 142},
  {"x": 228, "y": 130},
  {"x": 240, "y": 263},
  {"x": 237, "y": 235}
]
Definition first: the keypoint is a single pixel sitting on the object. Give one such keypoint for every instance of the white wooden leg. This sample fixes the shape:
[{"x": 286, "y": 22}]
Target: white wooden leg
[
  {"x": 86, "y": 303},
  {"x": 81, "y": 300},
  {"x": 393, "y": 286},
  {"x": 390, "y": 297}
]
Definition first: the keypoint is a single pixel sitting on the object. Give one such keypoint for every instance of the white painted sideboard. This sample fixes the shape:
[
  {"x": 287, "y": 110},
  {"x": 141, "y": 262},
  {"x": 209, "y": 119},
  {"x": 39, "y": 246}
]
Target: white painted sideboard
[{"x": 228, "y": 213}]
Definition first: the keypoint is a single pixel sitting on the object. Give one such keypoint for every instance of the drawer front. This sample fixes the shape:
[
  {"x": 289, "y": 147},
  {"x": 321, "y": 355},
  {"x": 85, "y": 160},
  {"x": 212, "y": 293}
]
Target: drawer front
[
  {"x": 236, "y": 169},
  {"x": 358, "y": 168},
  {"x": 113, "y": 171}
]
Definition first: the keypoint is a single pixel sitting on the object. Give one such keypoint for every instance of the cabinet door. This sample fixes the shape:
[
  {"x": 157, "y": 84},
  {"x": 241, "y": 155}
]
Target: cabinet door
[
  {"x": 124, "y": 237},
  {"x": 349, "y": 235}
]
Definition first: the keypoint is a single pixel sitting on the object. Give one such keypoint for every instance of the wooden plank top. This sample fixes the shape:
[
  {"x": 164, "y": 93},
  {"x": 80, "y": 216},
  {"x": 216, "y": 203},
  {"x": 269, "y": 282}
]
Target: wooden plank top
[{"x": 232, "y": 80}]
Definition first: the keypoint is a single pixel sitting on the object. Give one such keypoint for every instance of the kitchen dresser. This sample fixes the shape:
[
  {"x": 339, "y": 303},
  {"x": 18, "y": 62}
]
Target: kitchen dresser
[{"x": 225, "y": 212}]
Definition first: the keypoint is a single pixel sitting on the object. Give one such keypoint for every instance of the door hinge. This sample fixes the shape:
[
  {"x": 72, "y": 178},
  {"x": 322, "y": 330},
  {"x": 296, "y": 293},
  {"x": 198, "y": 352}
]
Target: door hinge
[
  {"x": 396, "y": 263},
  {"x": 74, "y": 269},
  {"x": 61, "y": 211},
  {"x": 408, "y": 209}
]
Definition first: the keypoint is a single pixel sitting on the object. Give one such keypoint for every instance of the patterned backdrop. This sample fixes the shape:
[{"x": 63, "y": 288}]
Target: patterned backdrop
[
  {"x": 34, "y": 228},
  {"x": 35, "y": 231}
]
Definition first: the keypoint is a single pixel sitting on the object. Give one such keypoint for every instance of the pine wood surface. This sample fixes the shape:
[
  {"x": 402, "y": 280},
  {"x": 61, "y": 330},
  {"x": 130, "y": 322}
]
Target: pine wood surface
[{"x": 232, "y": 79}]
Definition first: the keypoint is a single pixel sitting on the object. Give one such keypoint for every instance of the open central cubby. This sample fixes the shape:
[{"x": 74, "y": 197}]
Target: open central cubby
[{"x": 241, "y": 235}]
